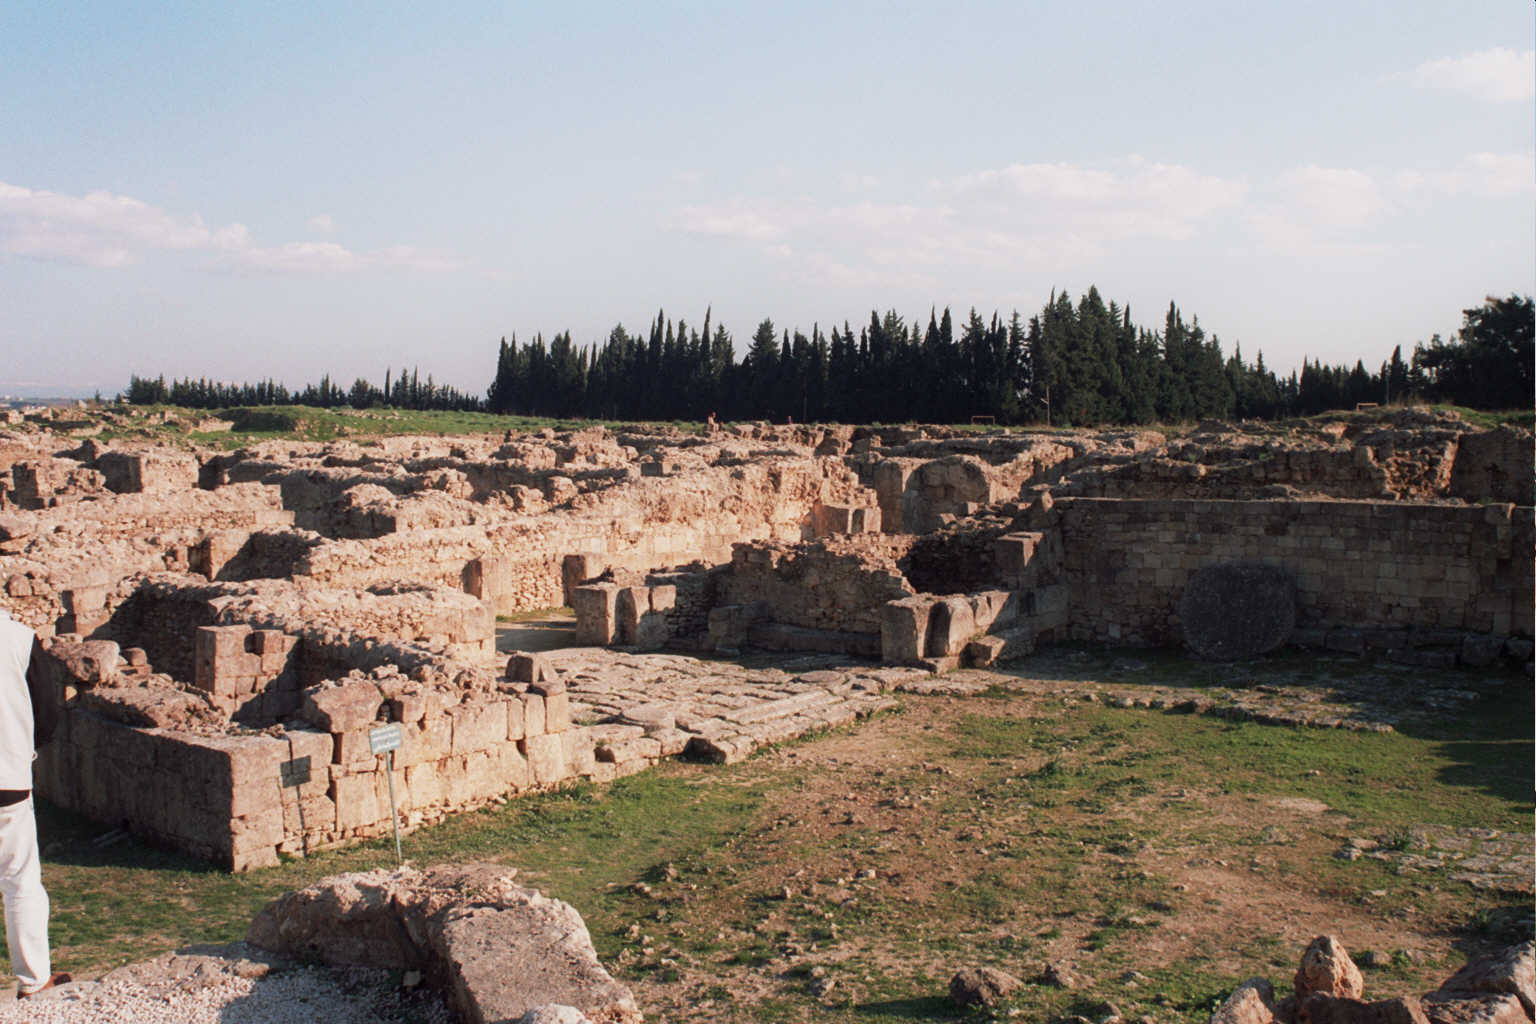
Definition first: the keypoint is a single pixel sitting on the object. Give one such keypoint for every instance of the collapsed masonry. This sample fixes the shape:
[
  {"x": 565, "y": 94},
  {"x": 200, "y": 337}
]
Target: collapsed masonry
[{"x": 226, "y": 629}]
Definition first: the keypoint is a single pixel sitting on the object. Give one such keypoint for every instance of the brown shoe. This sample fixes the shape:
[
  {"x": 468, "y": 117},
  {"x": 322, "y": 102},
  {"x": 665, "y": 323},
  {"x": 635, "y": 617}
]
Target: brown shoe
[{"x": 57, "y": 979}]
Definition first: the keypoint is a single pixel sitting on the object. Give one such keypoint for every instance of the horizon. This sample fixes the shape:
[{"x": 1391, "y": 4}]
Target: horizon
[{"x": 242, "y": 194}]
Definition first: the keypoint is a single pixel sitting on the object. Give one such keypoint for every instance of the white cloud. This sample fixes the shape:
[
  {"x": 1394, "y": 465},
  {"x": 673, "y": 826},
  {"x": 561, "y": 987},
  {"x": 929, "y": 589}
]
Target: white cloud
[
  {"x": 1333, "y": 197},
  {"x": 1485, "y": 175},
  {"x": 1050, "y": 219},
  {"x": 1024, "y": 215},
  {"x": 295, "y": 258},
  {"x": 757, "y": 222},
  {"x": 102, "y": 229},
  {"x": 1498, "y": 75},
  {"x": 1133, "y": 197},
  {"x": 322, "y": 223},
  {"x": 330, "y": 258},
  {"x": 98, "y": 229}
]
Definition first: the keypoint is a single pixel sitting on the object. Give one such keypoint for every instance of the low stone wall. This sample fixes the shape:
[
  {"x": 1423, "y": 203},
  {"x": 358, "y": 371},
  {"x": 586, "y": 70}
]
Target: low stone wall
[
  {"x": 1356, "y": 564},
  {"x": 241, "y": 799},
  {"x": 837, "y": 584}
]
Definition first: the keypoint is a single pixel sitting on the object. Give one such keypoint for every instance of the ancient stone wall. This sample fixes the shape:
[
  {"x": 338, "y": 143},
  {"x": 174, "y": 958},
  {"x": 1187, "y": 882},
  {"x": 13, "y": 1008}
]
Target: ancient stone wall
[
  {"x": 241, "y": 799},
  {"x": 837, "y": 584},
  {"x": 515, "y": 564},
  {"x": 1497, "y": 465},
  {"x": 1357, "y": 564}
]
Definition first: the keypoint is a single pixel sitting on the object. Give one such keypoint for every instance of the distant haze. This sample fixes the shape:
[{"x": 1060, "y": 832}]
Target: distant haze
[{"x": 241, "y": 191}]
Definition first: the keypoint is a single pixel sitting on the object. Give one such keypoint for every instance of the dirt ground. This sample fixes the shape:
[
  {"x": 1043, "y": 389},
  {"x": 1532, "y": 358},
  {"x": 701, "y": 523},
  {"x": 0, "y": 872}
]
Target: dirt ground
[{"x": 1107, "y": 857}]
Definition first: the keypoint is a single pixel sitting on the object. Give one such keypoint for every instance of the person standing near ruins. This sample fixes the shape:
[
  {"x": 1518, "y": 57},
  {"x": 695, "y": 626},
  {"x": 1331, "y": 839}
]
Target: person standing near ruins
[{"x": 28, "y": 716}]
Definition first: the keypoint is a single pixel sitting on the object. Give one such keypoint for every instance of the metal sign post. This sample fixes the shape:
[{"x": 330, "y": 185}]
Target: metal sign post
[{"x": 387, "y": 739}]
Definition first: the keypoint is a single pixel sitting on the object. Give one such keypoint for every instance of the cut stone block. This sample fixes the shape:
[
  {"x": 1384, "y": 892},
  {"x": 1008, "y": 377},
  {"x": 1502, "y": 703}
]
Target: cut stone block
[
  {"x": 904, "y": 630},
  {"x": 984, "y": 651},
  {"x": 994, "y": 609},
  {"x": 529, "y": 667},
  {"x": 596, "y": 613},
  {"x": 557, "y": 712},
  {"x": 478, "y": 726},
  {"x": 546, "y": 759},
  {"x": 663, "y": 597},
  {"x": 533, "y": 714},
  {"x": 950, "y": 627},
  {"x": 342, "y": 708},
  {"x": 575, "y": 570},
  {"x": 1013, "y": 553}
]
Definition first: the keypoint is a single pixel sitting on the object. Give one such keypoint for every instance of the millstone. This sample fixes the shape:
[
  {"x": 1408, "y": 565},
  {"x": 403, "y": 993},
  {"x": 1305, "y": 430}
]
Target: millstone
[{"x": 1238, "y": 610}]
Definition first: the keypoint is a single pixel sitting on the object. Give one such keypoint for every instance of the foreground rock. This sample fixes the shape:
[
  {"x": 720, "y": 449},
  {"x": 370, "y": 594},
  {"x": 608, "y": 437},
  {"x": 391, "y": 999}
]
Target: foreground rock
[
  {"x": 981, "y": 986},
  {"x": 1326, "y": 968},
  {"x": 500, "y": 951},
  {"x": 1511, "y": 973},
  {"x": 1329, "y": 989}
]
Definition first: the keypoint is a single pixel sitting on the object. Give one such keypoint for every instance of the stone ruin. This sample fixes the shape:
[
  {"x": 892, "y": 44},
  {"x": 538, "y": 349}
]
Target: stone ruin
[{"x": 226, "y": 629}]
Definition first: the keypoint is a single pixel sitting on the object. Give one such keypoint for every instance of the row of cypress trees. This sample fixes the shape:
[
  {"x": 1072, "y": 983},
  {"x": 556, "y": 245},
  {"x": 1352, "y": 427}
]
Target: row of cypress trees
[
  {"x": 1081, "y": 363},
  {"x": 1073, "y": 363}
]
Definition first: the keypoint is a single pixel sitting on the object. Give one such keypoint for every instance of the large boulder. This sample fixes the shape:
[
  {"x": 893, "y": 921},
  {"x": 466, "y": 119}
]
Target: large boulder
[
  {"x": 1237, "y": 610},
  {"x": 1512, "y": 972},
  {"x": 1320, "y": 1008},
  {"x": 1470, "y": 1008},
  {"x": 1252, "y": 1002},
  {"x": 498, "y": 949},
  {"x": 981, "y": 986},
  {"x": 1326, "y": 968}
]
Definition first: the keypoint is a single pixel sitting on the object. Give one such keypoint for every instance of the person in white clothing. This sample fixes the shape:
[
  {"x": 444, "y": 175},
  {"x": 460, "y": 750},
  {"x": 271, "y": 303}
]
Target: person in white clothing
[{"x": 28, "y": 716}]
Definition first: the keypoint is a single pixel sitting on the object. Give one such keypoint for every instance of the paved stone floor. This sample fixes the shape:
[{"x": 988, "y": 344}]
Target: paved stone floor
[{"x": 720, "y": 710}]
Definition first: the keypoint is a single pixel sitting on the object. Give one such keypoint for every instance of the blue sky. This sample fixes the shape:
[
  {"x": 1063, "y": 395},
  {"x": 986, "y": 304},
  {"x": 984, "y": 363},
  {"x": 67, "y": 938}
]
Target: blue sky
[{"x": 247, "y": 190}]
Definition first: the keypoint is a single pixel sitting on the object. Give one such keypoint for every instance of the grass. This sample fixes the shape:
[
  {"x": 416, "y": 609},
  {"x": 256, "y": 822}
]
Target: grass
[
  {"x": 304, "y": 423},
  {"x": 290, "y": 422},
  {"x": 536, "y": 615},
  {"x": 999, "y": 829}
]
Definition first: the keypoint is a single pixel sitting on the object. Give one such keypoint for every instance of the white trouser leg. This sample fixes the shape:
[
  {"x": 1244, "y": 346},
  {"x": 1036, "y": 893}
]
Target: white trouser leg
[{"x": 26, "y": 902}]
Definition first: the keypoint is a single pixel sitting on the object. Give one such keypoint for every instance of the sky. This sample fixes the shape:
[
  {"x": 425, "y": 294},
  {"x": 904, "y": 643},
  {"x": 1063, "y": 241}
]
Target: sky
[{"x": 240, "y": 191}]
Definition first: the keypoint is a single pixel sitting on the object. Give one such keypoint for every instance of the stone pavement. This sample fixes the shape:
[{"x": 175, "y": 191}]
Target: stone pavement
[{"x": 646, "y": 706}]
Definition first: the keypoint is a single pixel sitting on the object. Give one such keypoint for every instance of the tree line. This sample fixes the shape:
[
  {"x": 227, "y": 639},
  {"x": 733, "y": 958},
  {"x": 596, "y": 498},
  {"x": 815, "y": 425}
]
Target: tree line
[
  {"x": 1074, "y": 363},
  {"x": 407, "y": 391}
]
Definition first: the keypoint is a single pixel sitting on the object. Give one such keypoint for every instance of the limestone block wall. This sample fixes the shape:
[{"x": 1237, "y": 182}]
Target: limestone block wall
[
  {"x": 516, "y": 564},
  {"x": 242, "y": 799},
  {"x": 251, "y": 554},
  {"x": 69, "y": 568},
  {"x": 917, "y": 494},
  {"x": 837, "y": 584},
  {"x": 1356, "y": 564},
  {"x": 1499, "y": 464},
  {"x": 166, "y": 613},
  {"x": 48, "y": 483},
  {"x": 251, "y": 675},
  {"x": 695, "y": 592},
  {"x": 148, "y": 472}
]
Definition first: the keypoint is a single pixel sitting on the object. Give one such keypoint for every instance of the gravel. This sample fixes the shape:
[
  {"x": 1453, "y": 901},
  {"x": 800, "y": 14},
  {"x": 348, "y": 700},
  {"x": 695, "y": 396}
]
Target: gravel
[{"x": 232, "y": 987}]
